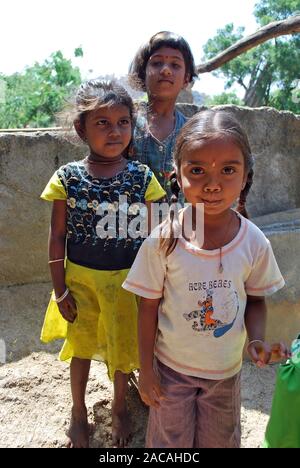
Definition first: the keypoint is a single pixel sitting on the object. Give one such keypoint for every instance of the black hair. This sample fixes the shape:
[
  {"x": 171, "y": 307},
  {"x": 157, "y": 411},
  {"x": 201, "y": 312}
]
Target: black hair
[
  {"x": 137, "y": 69},
  {"x": 96, "y": 93}
]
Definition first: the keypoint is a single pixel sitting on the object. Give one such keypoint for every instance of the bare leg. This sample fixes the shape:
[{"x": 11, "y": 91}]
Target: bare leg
[
  {"x": 121, "y": 424},
  {"x": 79, "y": 431}
]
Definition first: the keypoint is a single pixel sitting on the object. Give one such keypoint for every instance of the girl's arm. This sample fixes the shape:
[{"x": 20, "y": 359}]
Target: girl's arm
[
  {"x": 149, "y": 216},
  {"x": 255, "y": 321},
  {"x": 57, "y": 246},
  {"x": 149, "y": 386}
]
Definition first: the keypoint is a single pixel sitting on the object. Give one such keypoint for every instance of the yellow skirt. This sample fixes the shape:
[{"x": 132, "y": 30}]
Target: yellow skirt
[{"x": 105, "y": 328}]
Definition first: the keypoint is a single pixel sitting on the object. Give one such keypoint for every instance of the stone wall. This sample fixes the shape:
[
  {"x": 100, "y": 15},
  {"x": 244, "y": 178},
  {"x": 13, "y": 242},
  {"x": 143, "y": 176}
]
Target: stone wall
[
  {"x": 27, "y": 161},
  {"x": 275, "y": 143}
]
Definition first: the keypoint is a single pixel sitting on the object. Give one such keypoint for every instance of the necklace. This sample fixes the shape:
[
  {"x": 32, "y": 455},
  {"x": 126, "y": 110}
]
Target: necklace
[
  {"x": 103, "y": 163},
  {"x": 221, "y": 268}
]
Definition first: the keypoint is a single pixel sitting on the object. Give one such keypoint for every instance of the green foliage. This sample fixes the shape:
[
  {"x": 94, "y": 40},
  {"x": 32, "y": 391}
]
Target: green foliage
[
  {"x": 223, "y": 98},
  {"x": 269, "y": 73},
  {"x": 267, "y": 11},
  {"x": 78, "y": 52},
  {"x": 33, "y": 97}
]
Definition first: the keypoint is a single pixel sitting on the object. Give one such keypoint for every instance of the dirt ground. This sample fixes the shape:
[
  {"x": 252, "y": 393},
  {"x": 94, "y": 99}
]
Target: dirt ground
[
  {"x": 35, "y": 398},
  {"x": 35, "y": 404}
]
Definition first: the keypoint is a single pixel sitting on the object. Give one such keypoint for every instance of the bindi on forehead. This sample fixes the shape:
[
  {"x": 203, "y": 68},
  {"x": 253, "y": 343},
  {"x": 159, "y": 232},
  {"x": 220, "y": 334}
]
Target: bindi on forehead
[
  {"x": 167, "y": 52},
  {"x": 166, "y": 57}
]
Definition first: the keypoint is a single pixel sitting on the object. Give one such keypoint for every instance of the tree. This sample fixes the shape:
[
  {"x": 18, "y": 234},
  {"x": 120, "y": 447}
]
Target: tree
[
  {"x": 269, "y": 73},
  {"x": 33, "y": 97},
  {"x": 223, "y": 98}
]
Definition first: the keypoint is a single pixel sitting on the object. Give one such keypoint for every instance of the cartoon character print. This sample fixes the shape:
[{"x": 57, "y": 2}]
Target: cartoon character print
[{"x": 205, "y": 317}]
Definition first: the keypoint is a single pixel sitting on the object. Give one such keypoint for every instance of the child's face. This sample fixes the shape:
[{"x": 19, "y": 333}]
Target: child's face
[
  {"x": 166, "y": 73},
  {"x": 213, "y": 173},
  {"x": 107, "y": 130}
]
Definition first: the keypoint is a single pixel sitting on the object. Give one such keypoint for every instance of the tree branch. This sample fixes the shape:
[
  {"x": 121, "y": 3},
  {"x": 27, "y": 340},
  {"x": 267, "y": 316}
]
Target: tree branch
[{"x": 278, "y": 28}]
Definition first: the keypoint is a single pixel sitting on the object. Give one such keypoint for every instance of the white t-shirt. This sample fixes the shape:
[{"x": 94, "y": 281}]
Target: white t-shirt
[{"x": 201, "y": 330}]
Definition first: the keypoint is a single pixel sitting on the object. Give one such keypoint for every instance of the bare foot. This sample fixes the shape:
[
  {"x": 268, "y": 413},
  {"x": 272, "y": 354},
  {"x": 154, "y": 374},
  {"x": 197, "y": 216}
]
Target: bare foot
[
  {"x": 121, "y": 427},
  {"x": 78, "y": 432}
]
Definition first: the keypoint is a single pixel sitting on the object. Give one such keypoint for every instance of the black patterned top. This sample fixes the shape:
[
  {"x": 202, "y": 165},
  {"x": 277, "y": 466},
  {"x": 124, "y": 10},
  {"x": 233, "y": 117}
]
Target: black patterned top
[{"x": 103, "y": 231}]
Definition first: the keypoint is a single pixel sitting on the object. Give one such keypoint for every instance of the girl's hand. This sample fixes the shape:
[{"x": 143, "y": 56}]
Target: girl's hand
[
  {"x": 279, "y": 351},
  {"x": 259, "y": 352},
  {"x": 68, "y": 308},
  {"x": 149, "y": 388}
]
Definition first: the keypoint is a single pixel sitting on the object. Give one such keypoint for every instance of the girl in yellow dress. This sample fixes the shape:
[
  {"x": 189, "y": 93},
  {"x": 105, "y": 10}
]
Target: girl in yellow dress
[{"x": 90, "y": 252}]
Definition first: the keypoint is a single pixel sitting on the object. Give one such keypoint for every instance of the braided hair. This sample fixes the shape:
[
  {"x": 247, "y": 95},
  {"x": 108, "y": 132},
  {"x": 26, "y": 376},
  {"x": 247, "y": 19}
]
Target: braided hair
[
  {"x": 168, "y": 240},
  {"x": 241, "y": 208}
]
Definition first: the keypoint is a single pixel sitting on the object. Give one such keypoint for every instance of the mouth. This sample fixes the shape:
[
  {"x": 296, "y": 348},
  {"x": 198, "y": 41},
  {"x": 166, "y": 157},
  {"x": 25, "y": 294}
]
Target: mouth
[
  {"x": 211, "y": 202},
  {"x": 166, "y": 81},
  {"x": 112, "y": 143}
]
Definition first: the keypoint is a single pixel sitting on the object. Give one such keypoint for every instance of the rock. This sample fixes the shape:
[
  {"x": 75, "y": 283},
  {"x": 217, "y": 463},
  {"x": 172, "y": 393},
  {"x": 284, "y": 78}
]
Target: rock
[{"x": 283, "y": 231}]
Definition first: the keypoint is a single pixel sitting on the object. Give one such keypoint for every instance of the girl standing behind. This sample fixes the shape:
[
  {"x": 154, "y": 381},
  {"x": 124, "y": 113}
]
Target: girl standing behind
[
  {"x": 89, "y": 308},
  {"x": 199, "y": 301},
  {"x": 162, "y": 67}
]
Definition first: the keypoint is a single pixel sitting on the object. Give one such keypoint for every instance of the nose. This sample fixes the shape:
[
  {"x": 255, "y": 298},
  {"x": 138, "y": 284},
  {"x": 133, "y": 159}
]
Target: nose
[
  {"x": 114, "y": 131},
  {"x": 165, "y": 69},
  {"x": 212, "y": 185}
]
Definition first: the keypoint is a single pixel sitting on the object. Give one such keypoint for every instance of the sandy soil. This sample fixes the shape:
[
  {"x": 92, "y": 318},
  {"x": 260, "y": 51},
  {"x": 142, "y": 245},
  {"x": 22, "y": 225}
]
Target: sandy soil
[{"x": 35, "y": 403}]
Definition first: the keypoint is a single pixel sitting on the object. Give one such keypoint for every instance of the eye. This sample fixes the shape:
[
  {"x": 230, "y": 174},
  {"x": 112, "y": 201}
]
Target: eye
[
  {"x": 102, "y": 122},
  {"x": 176, "y": 66},
  {"x": 125, "y": 122},
  {"x": 197, "y": 170},
  {"x": 156, "y": 63},
  {"x": 228, "y": 170}
]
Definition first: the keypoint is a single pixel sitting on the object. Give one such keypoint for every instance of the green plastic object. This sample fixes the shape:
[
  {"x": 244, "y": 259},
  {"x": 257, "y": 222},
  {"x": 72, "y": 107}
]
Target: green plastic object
[{"x": 283, "y": 429}]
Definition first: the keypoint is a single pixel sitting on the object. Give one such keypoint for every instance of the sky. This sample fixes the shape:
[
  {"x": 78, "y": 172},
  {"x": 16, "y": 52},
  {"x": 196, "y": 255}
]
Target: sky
[{"x": 110, "y": 32}]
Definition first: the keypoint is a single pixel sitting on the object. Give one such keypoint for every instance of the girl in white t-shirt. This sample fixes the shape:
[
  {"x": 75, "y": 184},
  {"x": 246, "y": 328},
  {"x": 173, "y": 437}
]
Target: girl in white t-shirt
[{"x": 199, "y": 300}]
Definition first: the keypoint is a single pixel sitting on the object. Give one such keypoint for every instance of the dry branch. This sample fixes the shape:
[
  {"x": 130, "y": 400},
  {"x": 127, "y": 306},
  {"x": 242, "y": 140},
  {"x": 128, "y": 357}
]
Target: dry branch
[{"x": 278, "y": 28}]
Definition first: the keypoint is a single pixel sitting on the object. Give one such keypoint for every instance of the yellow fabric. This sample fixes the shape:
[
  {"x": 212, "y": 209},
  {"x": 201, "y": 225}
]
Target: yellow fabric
[
  {"x": 54, "y": 190},
  {"x": 154, "y": 190},
  {"x": 106, "y": 325}
]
